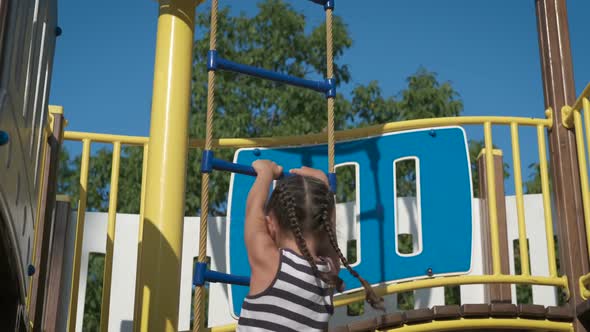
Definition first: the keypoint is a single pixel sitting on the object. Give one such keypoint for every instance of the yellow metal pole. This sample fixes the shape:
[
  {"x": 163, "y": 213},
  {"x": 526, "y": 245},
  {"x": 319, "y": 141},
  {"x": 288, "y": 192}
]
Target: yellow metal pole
[
  {"x": 138, "y": 279},
  {"x": 159, "y": 265},
  {"x": 583, "y": 168},
  {"x": 522, "y": 239},
  {"x": 495, "y": 237},
  {"x": 546, "y": 201},
  {"x": 108, "y": 262},
  {"x": 73, "y": 309}
]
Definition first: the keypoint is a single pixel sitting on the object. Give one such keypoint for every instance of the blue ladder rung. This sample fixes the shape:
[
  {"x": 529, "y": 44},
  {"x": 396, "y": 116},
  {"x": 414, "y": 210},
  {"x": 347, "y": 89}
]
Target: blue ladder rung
[
  {"x": 202, "y": 275},
  {"x": 215, "y": 62},
  {"x": 328, "y": 4},
  {"x": 209, "y": 163}
]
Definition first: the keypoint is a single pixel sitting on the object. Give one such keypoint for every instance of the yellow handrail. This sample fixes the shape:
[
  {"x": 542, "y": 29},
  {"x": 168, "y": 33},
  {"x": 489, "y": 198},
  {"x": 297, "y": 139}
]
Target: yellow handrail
[
  {"x": 341, "y": 135},
  {"x": 486, "y": 122}
]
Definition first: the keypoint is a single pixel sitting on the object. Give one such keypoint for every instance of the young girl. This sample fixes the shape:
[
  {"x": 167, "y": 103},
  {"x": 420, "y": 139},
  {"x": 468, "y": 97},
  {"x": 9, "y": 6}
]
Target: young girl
[{"x": 292, "y": 247}]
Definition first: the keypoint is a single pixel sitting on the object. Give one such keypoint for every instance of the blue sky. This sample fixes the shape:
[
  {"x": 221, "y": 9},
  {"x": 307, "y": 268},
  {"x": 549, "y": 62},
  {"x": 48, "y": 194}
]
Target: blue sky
[{"x": 103, "y": 67}]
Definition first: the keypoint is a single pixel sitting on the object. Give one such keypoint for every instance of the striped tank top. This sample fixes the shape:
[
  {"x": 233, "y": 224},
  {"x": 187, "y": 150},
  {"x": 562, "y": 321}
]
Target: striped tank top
[{"x": 295, "y": 301}]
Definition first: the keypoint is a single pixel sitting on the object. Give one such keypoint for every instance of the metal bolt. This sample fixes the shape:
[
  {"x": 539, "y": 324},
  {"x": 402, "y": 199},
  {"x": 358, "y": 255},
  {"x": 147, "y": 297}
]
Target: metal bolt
[
  {"x": 257, "y": 152},
  {"x": 58, "y": 31},
  {"x": 429, "y": 272},
  {"x": 30, "y": 270},
  {"x": 432, "y": 133},
  {"x": 4, "y": 138}
]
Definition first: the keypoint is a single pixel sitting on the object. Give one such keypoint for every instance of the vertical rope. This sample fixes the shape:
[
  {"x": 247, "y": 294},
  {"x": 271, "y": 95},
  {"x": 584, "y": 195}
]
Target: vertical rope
[
  {"x": 199, "y": 299},
  {"x": 330, "y": 74}
]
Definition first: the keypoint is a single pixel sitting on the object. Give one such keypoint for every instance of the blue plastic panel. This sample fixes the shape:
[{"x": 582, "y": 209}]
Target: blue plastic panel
[{"x": 445, "y": 203}]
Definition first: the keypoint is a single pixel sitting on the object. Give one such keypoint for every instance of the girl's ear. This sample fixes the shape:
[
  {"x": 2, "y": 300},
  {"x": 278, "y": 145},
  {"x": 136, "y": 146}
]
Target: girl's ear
[{"x": 271, "y": 226}]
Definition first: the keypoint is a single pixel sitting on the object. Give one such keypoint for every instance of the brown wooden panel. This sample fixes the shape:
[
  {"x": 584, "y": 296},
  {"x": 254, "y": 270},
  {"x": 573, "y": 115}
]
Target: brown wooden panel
[
  {"x": 475, "y": 310},
  {"x": 583, "y": 311},
  {"x": 444, "y": 312},
  {"x": 503, "y": 310},
  {"x": 531, "y": 311},
  {"x": 364, "y": 325},
  {"x": 52, "y": 303},
  {"x": 417, "y": 316},
  {"x": 45, "y": 226},
  {"x": 393, "y": 320},
  {"x": 3, "y": 16},
  {"x": 495, "y": 293},
  {"x": 559, "y": 314},
  {"x": 559, "y": 90}
]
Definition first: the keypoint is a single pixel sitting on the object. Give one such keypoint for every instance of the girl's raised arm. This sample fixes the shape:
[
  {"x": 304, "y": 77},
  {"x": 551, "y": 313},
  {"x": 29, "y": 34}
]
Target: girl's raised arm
[{"x": 260, "y": 245}]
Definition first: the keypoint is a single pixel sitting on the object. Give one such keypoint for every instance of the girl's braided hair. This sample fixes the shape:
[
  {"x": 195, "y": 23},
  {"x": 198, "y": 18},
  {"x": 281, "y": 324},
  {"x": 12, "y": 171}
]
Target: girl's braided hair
[{"x": 306, "y": 206}]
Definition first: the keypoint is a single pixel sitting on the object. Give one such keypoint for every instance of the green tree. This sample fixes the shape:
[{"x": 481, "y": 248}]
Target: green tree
[
  {"x": 93, "y": 297},
  {"x": 276, "y": 38}
]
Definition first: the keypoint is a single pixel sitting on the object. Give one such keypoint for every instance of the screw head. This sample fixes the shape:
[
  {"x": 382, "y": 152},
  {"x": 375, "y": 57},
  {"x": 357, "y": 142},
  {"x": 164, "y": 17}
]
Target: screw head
[
  {"x": 4, "y": 138},
  {"x": 30, "y": 270},
  {"x": 257, "y": 152},
  {"x": 429, "y": 272},
  {"x": 58, "y": 31},
  {"x": 432, "y": 133}
]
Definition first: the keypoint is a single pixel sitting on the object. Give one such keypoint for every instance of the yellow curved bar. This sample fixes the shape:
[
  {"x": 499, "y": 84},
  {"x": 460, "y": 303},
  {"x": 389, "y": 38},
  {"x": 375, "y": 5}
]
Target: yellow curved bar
[
  {"x": 341, "y": 135},
  {"x": 110, "y": 245},
  {"x": 489, "y": 323},
  {"x": 464, "y": 324},
  {"x": 346, "y": 299},
  {"x": 584, "y": 95}
]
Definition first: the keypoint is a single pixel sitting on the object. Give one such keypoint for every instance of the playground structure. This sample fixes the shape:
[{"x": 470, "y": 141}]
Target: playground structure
[{"x": 566, "y": 203}]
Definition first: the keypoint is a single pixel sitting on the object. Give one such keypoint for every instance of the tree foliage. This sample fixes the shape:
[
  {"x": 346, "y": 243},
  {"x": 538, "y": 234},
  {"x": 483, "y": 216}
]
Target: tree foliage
[{"x": 275, "y": 38}]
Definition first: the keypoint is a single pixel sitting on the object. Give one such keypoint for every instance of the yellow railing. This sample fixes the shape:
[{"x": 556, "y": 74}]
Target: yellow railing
[
  {"x": 514, "y": 123},
  {"x": 572, "y": 118}
]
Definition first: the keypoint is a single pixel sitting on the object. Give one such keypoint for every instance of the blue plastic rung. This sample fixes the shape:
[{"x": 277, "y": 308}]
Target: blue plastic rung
[
  {"x": 222, "y": 165},
  {"x": 199, "y": 274},
  {"x": 202, "y": 275},
  {"x": 214, "y": 276},
  {"x": 332, "y": 181},
  {"x": 207, "y": 161},
  {"x": 221, "y": 63},
  {"x": 4, "y": 137},
  {"x": 211, "y": 60},
  {"x": 331, "y": 93}
]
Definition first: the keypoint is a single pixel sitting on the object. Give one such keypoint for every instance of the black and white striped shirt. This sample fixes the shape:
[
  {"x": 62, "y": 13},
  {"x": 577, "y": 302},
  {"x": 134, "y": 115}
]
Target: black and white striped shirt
[{"x": 295, "y": 301}]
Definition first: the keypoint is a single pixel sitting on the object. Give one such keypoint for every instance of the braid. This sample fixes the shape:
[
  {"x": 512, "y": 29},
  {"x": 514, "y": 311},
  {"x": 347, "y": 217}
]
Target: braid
[
  {"x": 306, "y": 206},
  {"x": 288, "y": 202},
  {"x": 372, "y": 298}
]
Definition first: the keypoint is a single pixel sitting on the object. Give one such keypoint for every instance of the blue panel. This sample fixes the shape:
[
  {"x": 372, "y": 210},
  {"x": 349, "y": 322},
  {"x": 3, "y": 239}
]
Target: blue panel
[{"x": 445, "y": 199}]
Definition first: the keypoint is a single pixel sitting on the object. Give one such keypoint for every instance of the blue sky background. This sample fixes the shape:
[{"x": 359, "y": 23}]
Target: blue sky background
[{"x": 103, "y": 67}]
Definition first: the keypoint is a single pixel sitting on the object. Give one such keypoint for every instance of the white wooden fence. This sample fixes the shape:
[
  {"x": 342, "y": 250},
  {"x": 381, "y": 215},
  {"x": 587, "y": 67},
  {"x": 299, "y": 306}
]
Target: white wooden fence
[{"x": 125, "y": 256}]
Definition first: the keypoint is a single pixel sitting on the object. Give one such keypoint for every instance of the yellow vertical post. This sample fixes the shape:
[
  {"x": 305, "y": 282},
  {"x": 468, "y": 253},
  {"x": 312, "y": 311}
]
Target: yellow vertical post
[
  {"x": 522, "y": 239},
  {"x": 544, "y": 170},
  {"x": 495, "y": 237},
  {"x": 112, "y": 225},
  {"x": 159, "y": 265},
  {"x": 73, "y": 308},
  {"x": 138, "y": 282}
]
